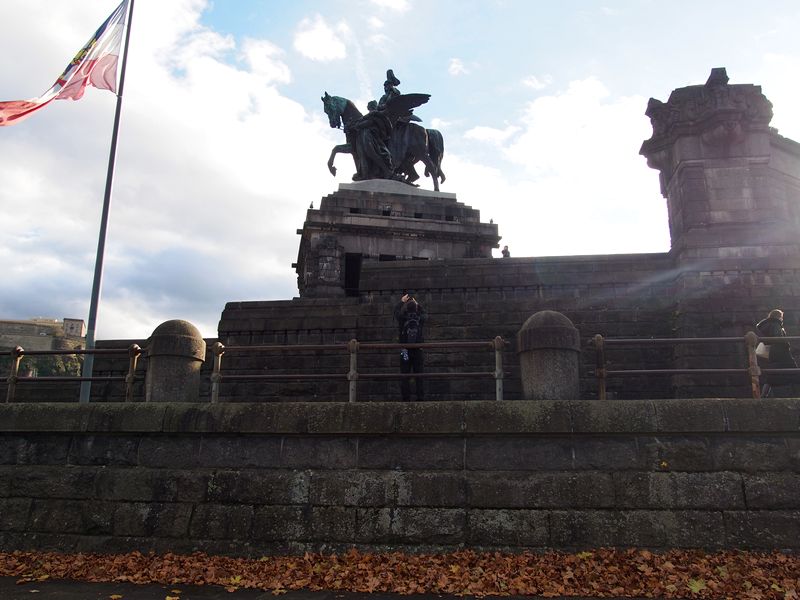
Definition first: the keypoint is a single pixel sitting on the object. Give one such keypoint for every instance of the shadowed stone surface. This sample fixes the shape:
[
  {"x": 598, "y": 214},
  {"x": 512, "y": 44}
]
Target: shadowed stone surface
[{"x": 526, "y": 475}]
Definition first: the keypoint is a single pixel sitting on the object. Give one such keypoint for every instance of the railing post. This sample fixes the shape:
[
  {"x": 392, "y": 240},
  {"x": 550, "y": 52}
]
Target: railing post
[
  {"x": 499, "y": 344},
  {"x": 133, "y": 355},
  {"x": 600, "y": 368},
  {"x": 352, "y": 375},
  {"x": 16, "y": 357},
  {"x": 751, "y": 340},
  {"x": 216, "y": 376}
]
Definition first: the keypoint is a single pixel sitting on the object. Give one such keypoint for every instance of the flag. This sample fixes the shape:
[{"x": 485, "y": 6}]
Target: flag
[{"x": 95, "y": 64}]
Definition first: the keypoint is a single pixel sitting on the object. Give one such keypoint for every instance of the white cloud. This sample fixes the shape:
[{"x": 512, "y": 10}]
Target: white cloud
[
  {"x": 781, "y": 90},
  {"x": 456, "y": 67},
  {"x": 582, "y": 113},
  {"x": 212, "y": 177},
  {"x": 536, "y": 83},
  {"x": 395, "y": 5},
  {"x": 491, "y": 134},
  {"x": 375, "y": 23},
  {"x": 262, "y": 57},
  {"x": 583, "y": 188},
  {"x": 317, "y": 40},
  {"x": 378, "y": 40}
]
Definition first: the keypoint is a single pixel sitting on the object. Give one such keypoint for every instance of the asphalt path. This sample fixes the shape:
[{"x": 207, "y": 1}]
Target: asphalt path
[{"x": 81, "y": 590}]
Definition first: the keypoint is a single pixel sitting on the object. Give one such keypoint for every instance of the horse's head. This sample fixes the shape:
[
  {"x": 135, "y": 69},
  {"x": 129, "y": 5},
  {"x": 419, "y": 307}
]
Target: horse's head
[{"x": 334, "y": 107}]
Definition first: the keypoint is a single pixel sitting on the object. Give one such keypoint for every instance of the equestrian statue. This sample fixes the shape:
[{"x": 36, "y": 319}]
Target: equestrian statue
[{"x": 386, "y": 142}]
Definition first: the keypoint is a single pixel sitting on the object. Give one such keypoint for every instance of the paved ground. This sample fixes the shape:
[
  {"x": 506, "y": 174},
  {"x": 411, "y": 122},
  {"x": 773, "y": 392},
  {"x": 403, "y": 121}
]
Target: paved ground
[{"x": 80, "y": 590}]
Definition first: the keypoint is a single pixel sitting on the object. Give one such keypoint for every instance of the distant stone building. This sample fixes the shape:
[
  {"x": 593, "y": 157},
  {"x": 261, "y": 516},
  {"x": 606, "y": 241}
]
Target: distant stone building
[
  {"x": 42, "y": 334},
  {"x": 74, "y": 328}
]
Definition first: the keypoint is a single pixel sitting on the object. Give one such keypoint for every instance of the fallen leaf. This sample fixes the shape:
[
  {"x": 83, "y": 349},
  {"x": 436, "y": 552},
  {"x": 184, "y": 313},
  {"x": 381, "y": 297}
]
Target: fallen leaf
[
  {"x": 596, "y": 573},
  {"x": 696, "y": 585}
]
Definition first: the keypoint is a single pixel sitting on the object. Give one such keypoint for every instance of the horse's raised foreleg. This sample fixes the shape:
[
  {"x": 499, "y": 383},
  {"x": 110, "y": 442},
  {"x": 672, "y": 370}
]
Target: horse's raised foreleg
[{"x": 344, "y": 149}]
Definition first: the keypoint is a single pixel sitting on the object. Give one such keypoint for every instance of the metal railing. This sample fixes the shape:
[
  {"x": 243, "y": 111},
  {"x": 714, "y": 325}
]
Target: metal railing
[
  {"x": 353, "y": 376},
  {"x": 353, "y": 347},
  {"x": 18, "y": 353},
  {"x": 750, "y": 340}
]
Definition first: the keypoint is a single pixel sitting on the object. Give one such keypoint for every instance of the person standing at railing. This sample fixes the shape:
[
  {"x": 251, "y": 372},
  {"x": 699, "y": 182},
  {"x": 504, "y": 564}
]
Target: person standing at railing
[
  {"x": 410, "y": 317},
  {"x": 780, "y": 353}
]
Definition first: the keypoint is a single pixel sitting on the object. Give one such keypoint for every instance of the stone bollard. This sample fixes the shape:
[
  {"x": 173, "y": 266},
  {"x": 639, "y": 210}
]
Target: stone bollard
[
  {"x": 175, "y": 353},
  {"x": 549, "y": 357}
]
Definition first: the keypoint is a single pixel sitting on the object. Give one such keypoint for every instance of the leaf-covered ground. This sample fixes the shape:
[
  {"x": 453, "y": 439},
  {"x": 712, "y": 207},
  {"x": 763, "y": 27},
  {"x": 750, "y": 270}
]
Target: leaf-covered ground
[{"x": 600, "y": 573}]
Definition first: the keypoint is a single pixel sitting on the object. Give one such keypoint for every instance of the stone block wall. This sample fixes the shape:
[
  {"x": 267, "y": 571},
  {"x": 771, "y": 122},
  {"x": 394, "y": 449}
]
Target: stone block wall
[
  {"x": 253, "y": 479},
  {"x": 630, "y": 296}
]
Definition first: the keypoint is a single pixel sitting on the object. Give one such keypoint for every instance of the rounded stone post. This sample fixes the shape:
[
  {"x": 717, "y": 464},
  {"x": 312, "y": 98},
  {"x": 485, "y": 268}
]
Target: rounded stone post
[
  {"x": 175, "y": 353},
  {"x": 549, "y": 356}
]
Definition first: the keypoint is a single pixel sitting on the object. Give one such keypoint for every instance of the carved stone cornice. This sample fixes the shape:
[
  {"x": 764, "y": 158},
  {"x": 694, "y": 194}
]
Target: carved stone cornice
[
  {"x": 721, "y": 115},
  {"x": 702, "y": 108}
]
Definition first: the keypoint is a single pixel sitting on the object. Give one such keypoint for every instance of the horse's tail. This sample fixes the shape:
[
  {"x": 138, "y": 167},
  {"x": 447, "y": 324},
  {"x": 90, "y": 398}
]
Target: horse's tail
[
  {"x": 436, "y": 150},
  {"x": 435, "y": 143}
]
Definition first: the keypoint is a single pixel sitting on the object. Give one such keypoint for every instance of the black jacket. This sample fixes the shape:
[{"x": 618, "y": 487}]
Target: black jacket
[
  {"x": 401, "y": 311},
  {"x": 780, "y": 354}
]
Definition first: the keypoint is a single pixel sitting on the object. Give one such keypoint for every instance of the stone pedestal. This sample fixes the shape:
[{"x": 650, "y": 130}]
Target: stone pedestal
[
  {"x": 175, "y": 353},
  {"x": 549, "y": 352},
  {"x": 382, "y": 220}
]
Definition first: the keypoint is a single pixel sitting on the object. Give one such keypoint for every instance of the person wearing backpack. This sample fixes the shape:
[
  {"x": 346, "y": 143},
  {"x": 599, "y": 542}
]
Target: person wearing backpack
[
  {"x": 780, "y": 353},
  {"x": 410, "y": 317}
]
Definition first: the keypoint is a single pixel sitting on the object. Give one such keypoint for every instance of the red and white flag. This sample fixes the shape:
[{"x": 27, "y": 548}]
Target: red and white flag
[{"x": 95, "y": 64}]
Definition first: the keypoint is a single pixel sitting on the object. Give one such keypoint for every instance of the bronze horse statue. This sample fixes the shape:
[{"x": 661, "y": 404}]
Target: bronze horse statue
[{"x": 408, "y": 144}]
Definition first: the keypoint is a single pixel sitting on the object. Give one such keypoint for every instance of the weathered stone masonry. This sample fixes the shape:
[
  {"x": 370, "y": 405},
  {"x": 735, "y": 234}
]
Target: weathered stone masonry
[{"x": 260, "y": 478}]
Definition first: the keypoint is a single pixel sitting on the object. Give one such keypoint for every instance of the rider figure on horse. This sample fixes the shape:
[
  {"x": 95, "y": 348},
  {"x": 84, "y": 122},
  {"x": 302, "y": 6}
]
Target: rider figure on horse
[
  {"x": 389, "y": 89},
  {"x": 384, "y": 144}
]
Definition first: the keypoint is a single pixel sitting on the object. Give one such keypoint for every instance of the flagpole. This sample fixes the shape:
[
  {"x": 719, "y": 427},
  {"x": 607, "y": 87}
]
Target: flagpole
[{"x": 88, "y": 363}]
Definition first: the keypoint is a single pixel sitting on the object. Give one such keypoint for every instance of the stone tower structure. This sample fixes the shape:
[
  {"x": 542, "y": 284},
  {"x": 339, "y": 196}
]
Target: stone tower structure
[{"x": 732, "y": 183}]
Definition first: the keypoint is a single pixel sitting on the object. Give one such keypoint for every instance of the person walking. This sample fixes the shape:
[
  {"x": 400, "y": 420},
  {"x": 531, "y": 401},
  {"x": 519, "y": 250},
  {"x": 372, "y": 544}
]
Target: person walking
[
  {"x": 780, "y": 353},
  {"x": 410, "y": 317}
]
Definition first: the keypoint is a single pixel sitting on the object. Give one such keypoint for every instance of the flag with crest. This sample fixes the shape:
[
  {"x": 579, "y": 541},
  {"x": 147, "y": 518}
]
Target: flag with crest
[{"x": 95, "y": 64}]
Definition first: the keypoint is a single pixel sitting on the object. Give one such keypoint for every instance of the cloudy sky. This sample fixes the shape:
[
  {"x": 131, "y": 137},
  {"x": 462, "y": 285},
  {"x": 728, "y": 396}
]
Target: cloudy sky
[{"x": 223, "y": 141}]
